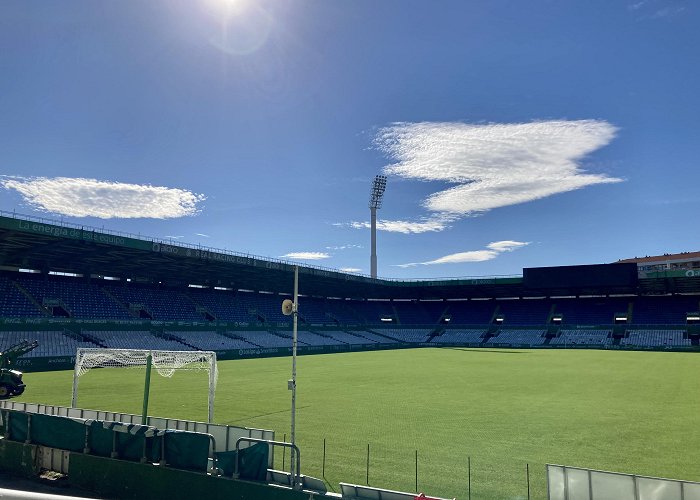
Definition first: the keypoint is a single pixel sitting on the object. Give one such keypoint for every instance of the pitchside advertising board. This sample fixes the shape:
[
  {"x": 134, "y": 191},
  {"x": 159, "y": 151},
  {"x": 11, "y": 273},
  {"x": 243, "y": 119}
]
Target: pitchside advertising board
[{"x": 598, "y": 275}]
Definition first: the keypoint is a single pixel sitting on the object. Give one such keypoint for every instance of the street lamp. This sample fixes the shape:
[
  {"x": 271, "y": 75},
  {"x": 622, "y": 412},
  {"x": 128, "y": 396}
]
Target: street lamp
[{"x": 292, "y": 308}]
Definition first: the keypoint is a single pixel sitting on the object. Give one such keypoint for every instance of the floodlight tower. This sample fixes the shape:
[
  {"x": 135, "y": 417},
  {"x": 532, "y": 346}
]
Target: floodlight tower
[{"x": 375, "y": 202}]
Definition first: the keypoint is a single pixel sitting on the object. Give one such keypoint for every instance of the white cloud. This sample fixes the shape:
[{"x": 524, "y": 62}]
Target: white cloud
[
  {"x": 78, "y": 197},
  {"x": 667, "y": 12},
  {"x": 173, "y": 237},
  {"x": 351, "y": 269},
  {"x": 202, "y": 235},
  {"x": 490, "y": 252},
  {"x": 655, "y": 9},
  {"x": 424, "y": 225},
  {"x": 506, "y": 245},
  {"x": 305, "y": 256},
  {"x": 490, "y": 166},
  {"x": 344, "y": 247},
  {"x": 637, "y": 5},
  {"x": 457, "y": 258},
  {"x": 494, "y": 165}
]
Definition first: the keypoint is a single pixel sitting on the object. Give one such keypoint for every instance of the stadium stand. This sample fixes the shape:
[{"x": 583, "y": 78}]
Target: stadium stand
[
  {"x": 262, "y": 308},
  {"x": 419, "y": 313},
  {"x": 524, "y": 312},
  {"x": 135, "y": 339},
  {"x": 51, "y": 343},
  {"x": 77, "y": 298},
  {"x": 458, "y": 336},
  {"x": 523, "y": 337},
  {"x": 663, "y": 310},
  {"x": 342, "y": 312},
  {"x": 263, "y": 339},
  {"x": 414, "y": 335},
  {"x": 310, "y": 338},
  {"x": 14, "y": 303},
  {"x": 314, "y": 311},
  {"x": 162, "y": 306},
  {"x": 583, "y": 337},
  {"x": 348, "y": 338},
  {"x": 374, "y": 311},
  {"x": 473, "y": 312},
  {"x": 209, "y": 341},
  {"x": 590, "y": 311},
  {"x": 22, "y": 294},
  {"x": 158, "y": 304},
  {"x": 371, "y": 335},
  {"x": 221, "y": 304},
  {"x": 656, "y": 338}
]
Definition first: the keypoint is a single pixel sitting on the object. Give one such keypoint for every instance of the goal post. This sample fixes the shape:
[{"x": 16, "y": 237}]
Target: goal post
[{"x": 164, "y": 362}]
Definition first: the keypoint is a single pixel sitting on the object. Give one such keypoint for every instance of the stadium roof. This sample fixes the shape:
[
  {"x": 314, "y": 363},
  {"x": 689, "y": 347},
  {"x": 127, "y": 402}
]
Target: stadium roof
[
  {"x": 667, "y": 257},
  {"x": 39, "y": 244}
]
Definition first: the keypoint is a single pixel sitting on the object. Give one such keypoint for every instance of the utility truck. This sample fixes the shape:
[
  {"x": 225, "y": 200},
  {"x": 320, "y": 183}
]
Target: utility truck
[{"x": 11, "y": 383}]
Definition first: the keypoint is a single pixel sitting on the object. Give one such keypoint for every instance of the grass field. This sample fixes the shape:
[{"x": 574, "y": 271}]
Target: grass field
[{"x": 636, "y": 412}]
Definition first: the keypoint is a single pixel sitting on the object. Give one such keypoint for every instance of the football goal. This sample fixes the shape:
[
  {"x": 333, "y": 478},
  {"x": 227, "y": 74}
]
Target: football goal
[{"x": 165, "y": 364}]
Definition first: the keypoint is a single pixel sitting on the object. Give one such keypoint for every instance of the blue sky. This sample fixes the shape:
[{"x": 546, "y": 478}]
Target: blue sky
[{"x": 514, "y": 134}]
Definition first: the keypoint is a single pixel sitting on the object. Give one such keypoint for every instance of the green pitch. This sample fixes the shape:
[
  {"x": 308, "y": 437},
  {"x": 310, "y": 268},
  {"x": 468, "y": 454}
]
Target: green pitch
[{"x": 635, "y": 412}]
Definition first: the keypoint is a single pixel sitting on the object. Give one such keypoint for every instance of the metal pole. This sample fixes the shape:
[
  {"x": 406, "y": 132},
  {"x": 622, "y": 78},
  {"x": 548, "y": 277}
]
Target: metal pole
[
  {"x": 284, "y": 450},
  {"x": 469, "y": 468},
  {"x": 212, "y": 374},
  {"x": 323, "y": 467},
  {"x": 416, "y": 471},
  {"x": 367, "y": 464},
  {"x": 527, "y": 472},
  {"x": 146, "y": 389},
  {"x": 373, "y": 242},
  {"x": 74, "y": 395},
  {"x": 295, "y": 311}
]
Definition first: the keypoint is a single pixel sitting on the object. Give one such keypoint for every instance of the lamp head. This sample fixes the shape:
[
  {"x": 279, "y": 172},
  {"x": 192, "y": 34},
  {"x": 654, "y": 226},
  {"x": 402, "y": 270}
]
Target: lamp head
[
  {"x": 287, "y": 307},
  {"x": 377, "y": 192}
]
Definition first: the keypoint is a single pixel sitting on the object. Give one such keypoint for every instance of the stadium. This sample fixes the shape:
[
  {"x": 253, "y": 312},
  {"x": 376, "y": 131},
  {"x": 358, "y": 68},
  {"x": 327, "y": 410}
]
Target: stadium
[
  {"x": 463, "y": 388},
  {"x": 195, "y": 303}
]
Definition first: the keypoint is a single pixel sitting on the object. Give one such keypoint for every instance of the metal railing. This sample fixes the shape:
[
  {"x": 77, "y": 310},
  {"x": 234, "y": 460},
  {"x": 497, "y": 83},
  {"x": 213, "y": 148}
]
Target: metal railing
[{"x": 296, "y": 480}]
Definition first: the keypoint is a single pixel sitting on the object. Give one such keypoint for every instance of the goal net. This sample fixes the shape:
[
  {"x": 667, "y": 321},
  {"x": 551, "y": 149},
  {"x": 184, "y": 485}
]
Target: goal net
[{"x": 165, "y": 363}]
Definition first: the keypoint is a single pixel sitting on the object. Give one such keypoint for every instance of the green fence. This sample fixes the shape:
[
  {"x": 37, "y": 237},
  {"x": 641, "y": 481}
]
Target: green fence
[{"x": 139, "y": 443}]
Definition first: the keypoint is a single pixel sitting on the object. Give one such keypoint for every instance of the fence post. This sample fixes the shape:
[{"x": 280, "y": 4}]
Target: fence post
[
  {"x": 416, "y": 471},
  {"x": 146, "y": 389},
  {"x": 367, "y": 464},
  {"x": 469, "y": 468},
  {"x": 527, "y": 472},
  {"x": 284, "y": 449}
]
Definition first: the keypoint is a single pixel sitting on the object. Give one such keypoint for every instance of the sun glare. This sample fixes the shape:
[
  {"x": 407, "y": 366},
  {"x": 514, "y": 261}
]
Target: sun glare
[
  {"x": 228, "y": 7},
  {"x": 243, "y": 26}
]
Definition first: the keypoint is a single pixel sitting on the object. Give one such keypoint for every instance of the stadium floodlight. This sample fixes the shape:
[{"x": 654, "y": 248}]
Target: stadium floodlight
[
  {"x": 375, "y": 201},
  {"x": 292, "y": 308},
  {"x": 165, "y": 363}
]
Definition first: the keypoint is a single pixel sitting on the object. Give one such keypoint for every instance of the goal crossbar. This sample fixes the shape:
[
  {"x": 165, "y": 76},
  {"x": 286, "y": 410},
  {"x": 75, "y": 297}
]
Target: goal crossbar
[{"x": 164, "y": 362}]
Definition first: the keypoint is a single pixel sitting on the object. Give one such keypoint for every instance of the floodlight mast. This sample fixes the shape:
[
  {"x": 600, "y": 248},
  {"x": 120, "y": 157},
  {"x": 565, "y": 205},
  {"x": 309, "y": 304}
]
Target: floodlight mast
[{"x": 375, "y": 202}]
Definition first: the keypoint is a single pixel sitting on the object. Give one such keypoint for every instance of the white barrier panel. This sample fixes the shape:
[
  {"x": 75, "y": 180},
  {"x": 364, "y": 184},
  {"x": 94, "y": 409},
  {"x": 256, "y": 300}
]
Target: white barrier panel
[
  {"x": 53, "y": 459},
  {"x": 574, "y": 483},
  {"x": 225, "y": 435},
  {"x": 7, "y": 494}
]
